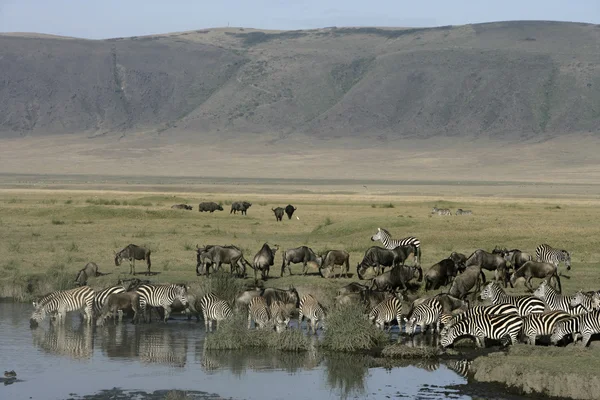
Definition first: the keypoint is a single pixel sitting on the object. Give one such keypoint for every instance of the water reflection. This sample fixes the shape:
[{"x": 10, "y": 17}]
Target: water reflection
[
  {"x": 461, "y": 367},
  {"x": 64, "y": 340},
  {"x": 347, "y": 373}
]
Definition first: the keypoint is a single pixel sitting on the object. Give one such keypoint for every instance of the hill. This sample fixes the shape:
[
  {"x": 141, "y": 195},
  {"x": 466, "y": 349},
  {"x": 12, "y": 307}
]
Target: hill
[{"x": 309, "y": 91}]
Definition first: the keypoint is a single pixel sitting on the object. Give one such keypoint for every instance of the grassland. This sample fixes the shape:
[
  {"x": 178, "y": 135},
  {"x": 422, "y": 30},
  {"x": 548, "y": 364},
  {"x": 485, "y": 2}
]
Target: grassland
[{"x": 53, "y": 233}]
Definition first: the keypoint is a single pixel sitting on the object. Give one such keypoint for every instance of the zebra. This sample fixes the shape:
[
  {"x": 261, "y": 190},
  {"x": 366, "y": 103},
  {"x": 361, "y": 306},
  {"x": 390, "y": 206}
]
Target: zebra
[
  {"x": 101, "y": 297},
  {"x": 214, "y": 309},
  {"x": 497, "y": 309},
  {"x": 541, "y": 324},
  {"x": 425, "y": 314},
  {"x": 63, "y": 301},
  {"x": 387, "y": 311},
  {"x": 280, "y": 316},
  {"x": 156, "y": 295},
  {"x": 589, "y": 303},
  {"x": 546, "y": 253},
  {"x": 441, "y": 211},
  {"x": 557, "y": 301},
  {"x": 587, "y": 324},
  {"x": 499, "y": 327},
  {"x": 385, "y": 237},
  {"x": 570, "y": 326},
  {"x": 63, "y": 340},
  {"x": 461, "y": 367},
  {"x": 259, "y": 312},
  {"x": 525, "y": 304},
  {"x": 460, "y": 211},
  {"x": 313, "y": 311}
]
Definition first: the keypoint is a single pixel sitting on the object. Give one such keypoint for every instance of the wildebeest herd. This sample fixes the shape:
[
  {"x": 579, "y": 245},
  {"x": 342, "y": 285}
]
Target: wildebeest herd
[{"x": 547, "y": 312}]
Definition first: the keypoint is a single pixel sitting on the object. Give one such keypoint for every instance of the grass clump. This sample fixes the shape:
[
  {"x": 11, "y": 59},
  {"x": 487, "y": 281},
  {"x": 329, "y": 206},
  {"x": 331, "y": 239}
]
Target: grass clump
[
  {"x": 389, "y": 205},
  {"x": 397, "y": 350},
  {"x": 224, "y": 285},
  {"x": 103, "y": 202},
  {"x": 349, "y": 330},
  {"x": 56, "y": 221}
]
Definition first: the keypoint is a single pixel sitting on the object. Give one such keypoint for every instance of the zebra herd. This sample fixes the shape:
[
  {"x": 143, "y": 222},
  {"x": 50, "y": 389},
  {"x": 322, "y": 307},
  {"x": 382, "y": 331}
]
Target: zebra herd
[{"x": 446, "y": 211}]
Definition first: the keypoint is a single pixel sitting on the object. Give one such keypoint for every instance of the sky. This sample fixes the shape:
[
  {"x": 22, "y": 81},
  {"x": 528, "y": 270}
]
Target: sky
[{"x": 99, "y": 19}]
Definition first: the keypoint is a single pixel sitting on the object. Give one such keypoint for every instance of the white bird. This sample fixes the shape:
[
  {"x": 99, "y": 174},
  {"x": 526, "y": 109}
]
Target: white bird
[{"x": 297, "y": 217}]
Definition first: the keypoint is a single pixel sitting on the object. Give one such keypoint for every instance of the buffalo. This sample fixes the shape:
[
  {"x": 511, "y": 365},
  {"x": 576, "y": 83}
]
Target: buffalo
[
  {"x": 300, "y": 254},
  {"x": 209, "y": 206},
  {"x": 241, "y": 206},
  {"x": 278, "y": 213},
  {"x": 264, "y": 259},
  {"x": 181, "y": 207},
  {"x": 397, "y": 277},
  {"x": 289, "y": 210},
  {"x": 330, "y": 259},
  {"x": 442, "y": 273}
]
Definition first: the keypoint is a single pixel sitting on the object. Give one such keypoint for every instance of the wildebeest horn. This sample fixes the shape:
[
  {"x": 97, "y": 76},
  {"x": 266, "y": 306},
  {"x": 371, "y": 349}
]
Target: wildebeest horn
[{"x": 295, "y": 208}]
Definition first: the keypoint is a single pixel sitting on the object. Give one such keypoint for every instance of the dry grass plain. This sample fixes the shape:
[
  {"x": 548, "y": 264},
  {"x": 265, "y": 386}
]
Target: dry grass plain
[{"x": 49, "y": 233}]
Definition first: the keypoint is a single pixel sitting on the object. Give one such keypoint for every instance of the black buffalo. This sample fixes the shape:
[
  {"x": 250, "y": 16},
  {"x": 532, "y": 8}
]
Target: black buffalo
[
  {"x": 209, "y": 206},
  {"x": 278, "y": 213},
  {"x": 241, "y": 206},
  {"x": 289, "y": 210}
]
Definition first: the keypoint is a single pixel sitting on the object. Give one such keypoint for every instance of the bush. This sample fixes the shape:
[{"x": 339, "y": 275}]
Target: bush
[
  {"x": 398, "y": 350},
  {"x": 56, "y": 221},
  {"x": 348, "y": 329},
  {"x": 222, "y": 284}
]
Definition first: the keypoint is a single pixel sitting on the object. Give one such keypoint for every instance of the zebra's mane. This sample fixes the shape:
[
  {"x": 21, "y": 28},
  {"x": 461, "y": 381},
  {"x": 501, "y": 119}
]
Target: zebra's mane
[{"x": 386, "y": 231}]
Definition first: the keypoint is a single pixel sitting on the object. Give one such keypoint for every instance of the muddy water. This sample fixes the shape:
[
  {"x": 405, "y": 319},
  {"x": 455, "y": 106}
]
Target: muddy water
[{"x": 146, "y": 361}]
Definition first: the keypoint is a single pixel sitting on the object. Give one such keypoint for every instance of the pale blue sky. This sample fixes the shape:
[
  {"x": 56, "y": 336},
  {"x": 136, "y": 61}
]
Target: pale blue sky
[{"x": 114, "y": 18}]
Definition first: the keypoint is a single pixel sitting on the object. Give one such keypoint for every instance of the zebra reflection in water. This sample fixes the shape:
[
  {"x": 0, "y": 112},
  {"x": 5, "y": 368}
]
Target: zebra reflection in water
[{"x": 63, "y": 340}]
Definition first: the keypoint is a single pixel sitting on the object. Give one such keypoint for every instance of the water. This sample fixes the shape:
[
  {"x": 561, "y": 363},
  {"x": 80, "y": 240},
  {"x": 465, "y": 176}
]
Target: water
[{"x": 148, "y": 360}]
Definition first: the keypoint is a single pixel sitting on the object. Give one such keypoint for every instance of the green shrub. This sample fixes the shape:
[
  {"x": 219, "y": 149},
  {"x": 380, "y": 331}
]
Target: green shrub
[
  {"x": 348, "y": 329},
  {"x": 56, "y": 221},
  {"x": 222, "y": 284}
]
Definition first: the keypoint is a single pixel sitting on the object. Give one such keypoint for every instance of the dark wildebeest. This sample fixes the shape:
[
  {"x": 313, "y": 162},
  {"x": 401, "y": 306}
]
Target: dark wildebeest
[
  {"x": 516, "y": 258},
  {"x": 459, "y": 258},
  {"x": 397, "y": 277},
  {"x": 120, "y": 301},
  {"x": 90, "y": 269},
  {"x": 536, "y": 269},
  {"x": 330, "y": 259},
  {"x": 181, "y": 207},
  {"x": 288, "y": 297},
  {"x": 379, "y": 258},
  {"x": 463, "y": 283},
  {"x": 133, "y": 252},
  {"x": 278, "y": 213},
  {"x": 242, "y": 301},
  {"x": 442, "y": 273},
  {"x": 264, "y": 259},
  {"x": 491, "y": 262},
  {"x": 297, "y": 255},
  {"x": 217, "y": 255},
  {"x": 209, "y": 206},
  {"x": 353, "y": 287},
  {"x": 241, "y": 206},
  {"x": 289, "y": 210}
]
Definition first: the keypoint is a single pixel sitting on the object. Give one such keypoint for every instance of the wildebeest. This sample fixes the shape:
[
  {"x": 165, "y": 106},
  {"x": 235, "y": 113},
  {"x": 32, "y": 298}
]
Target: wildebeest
[
  {"x": 491, "y": 262},
  {"x": 516, "y": 258},
  {"x": 209, "y": 206},
  {"x": 264, "y": 259},
  {"x": 379, "y": 258},
  {"x": 442, "y": 273},
  {"x": 458, "y": 258},
  {"x": 243, "y": 299},
  {"x": 241, "y": 206},
  {"x": 449, "y": 303},
  {"x": 217, "y": 255},
  {"x": 397, "y": 277},
  {"x": 302, "y": 254},
  {"x": 353, "y": 287},
  {"x": 469, "y": 279},
  {"x": 536, "y": 269},
  {"x": 289, "y": 296},
  {"x": 120, "y": 301},
  {"x": 181, "y": 207},
  {"x": 289, "y": 210},
  {"x": 133, "y": 252},
  {"x": 90, "y": 269},
  {"x": 328, "y": 260},
  {"x": 278, "y": 213}
]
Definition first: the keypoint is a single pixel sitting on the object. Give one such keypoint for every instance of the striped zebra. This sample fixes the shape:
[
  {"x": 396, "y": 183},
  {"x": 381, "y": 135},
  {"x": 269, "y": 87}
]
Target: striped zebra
[
  {"x": 589, "y": 303},
  {"x": 425, "y": 314},
  {"x": 280, "y": 316},
  {"x": 535, "y": 325},
  {"x": 313, "y": 311},
  {"x": 460, "y": 211},
  {"x": 214, "y": 309},
  {"x": 387, "y": 311},
  {"x": 525, "y": 304},
  {"x": 63, "y": 301},
  {"x": 445, "y": 318},
  {"x": 461, "y": 367},
  {"x": 441, "y": 211},
  {"x": 258, "y": 311},
  {"x": 587, "y": 324},
  {"x": 101, "y": 297},
  {"x": 546, "y": 253},
  {"x": 497, "y": 309},
  {"x": 557, "y": 301},
  {"x": 156, "y": 295},
  {"x": 498, "y": 327},
  {"x": 386, "y": 238},
  {"x": 63, "y": 340}
]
